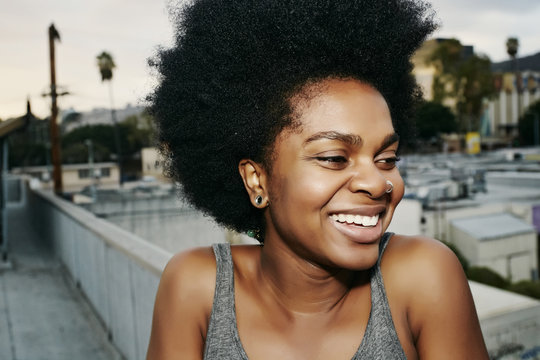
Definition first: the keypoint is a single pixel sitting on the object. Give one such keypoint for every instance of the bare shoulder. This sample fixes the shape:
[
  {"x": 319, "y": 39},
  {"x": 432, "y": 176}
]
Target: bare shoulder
[
  {"x": 426, "y": 277},
  {"x": 419, "y": 253},
  {"x": 183, "y": 305}
]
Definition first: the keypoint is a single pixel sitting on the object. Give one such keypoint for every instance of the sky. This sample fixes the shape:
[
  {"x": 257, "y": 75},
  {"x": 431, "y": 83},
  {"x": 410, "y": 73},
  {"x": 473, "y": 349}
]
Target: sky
[{"x": 131, "y": 30}]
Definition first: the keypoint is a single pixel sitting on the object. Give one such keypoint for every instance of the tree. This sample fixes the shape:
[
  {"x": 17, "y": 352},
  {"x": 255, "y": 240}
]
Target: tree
[
  {"x": 74, "y": 150},
  {"x": 463, "y": 80},
  {"x": 486, "y": 276},
  {"x": 527, "y": 127},
  {"x": 106, "y": 65},
  {"x": 512, "y": 46},
  {"x": 433, "y": 119}
]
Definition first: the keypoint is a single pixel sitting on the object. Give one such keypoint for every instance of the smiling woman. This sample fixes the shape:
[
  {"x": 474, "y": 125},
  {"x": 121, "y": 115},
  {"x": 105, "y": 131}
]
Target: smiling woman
[{"x": 281, "y": 119}]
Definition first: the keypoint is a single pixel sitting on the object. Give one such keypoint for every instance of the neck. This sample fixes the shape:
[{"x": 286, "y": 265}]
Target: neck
[{"x": 302, "y": 287}]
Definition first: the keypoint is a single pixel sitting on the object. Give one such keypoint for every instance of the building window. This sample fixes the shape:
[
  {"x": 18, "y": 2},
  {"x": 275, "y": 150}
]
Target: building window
[
  {"x": 105, "y": 172},
  {"x": 84, "y": 173}
]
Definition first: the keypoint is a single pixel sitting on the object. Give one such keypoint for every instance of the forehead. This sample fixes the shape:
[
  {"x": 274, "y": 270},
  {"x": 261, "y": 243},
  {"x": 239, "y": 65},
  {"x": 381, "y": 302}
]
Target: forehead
[{"x": 347, "y": 106}]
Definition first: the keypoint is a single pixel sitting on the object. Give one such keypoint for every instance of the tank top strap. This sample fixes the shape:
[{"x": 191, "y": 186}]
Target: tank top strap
[
  {"x": 380, "y": 339},
  {"x": 222, "y": 341},
  {"x": 382, "y": 246}
]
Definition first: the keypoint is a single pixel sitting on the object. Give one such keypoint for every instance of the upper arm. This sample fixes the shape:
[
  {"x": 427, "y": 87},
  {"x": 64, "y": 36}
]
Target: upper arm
[
  {"x": 440, "y": 308},
  {"x": 182, "y": 307}
]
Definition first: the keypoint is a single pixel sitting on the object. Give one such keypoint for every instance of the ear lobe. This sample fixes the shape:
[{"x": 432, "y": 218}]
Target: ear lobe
[{"x": 254, "y": 178}]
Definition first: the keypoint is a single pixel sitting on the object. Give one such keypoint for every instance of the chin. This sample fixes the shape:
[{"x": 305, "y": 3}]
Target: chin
[{"x": 358, "y": 258}]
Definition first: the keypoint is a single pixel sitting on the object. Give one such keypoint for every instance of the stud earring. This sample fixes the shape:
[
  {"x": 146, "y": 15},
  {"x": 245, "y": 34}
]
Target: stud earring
[
  {"x": 258, "y": 200},
  {"x": 389, "y": 183}
]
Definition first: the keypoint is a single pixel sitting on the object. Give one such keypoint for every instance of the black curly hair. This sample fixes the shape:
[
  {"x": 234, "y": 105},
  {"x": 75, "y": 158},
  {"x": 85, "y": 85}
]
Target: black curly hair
[{"x": 224, "y": 87}]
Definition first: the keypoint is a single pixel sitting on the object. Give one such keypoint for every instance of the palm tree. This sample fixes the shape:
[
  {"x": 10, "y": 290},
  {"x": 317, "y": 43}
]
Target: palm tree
[
  {"x": 512, "y": 45},
  {"x": 106, "y": 65}
]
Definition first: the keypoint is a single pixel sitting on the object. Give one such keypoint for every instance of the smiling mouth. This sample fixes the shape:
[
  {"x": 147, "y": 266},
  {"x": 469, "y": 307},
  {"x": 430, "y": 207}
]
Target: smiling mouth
[{"x": 366, "y": 221}]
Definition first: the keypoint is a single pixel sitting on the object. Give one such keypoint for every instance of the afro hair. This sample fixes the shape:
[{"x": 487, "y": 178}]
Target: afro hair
[{"x": 225, "y": 85}]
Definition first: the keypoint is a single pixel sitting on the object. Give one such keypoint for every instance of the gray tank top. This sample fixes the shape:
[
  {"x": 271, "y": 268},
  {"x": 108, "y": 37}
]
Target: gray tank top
[{"x": 223, "y": 342}]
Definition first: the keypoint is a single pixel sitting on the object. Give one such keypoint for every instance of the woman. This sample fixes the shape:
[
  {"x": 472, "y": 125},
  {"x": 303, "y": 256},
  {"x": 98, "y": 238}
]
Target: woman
[{"x": 281, "y": 119}]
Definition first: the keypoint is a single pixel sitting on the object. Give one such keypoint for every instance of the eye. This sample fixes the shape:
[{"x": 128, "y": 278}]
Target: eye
[
  {"x": 387, "y": 163},
  {"x": 332, "y": 162}
]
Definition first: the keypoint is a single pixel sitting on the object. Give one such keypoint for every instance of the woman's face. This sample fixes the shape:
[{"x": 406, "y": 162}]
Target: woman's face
[{"x": 328, "y": 183}]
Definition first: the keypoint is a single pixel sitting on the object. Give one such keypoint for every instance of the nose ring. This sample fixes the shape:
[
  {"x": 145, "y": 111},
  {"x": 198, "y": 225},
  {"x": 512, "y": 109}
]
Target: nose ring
[{"x": 391, "y": 186}]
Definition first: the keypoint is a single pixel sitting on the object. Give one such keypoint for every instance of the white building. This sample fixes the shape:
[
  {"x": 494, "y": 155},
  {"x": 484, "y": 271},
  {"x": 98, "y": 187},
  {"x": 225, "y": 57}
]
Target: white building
[
  {"x": 75, "y": 177},
  {"x": 500, "y": 242},
  {"x": 509, "y": 105}
]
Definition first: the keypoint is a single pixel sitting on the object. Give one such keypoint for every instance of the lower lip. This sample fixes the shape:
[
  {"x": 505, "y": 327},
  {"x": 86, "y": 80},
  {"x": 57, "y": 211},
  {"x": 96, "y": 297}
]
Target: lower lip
[{"x": 359, "y": 234}]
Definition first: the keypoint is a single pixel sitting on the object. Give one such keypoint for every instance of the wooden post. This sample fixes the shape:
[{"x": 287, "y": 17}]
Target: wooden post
[{"x": 56, "y": 156}]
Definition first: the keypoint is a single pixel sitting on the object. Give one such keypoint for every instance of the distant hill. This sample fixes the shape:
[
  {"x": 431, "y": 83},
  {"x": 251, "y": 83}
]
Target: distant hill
[{"x": 531, "y": 63}]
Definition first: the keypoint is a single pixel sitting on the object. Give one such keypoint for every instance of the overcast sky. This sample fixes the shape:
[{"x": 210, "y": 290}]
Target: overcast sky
[{"x": 131, "y": 29}]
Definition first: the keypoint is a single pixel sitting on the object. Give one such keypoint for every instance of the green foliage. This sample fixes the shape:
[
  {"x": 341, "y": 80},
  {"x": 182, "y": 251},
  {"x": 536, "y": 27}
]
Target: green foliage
[
  {"x": 487, "y": 276},
  {"x": 22, "y": 153},
  {"x": 106, "y": 65},
  {"x": 138, "y": 132},
  {"x": 433, "y": 118},
  {"x": 527, "y": 288},
  {"x": 75, "y": 151},
  {"x": 526, "y": 124},
  {"x": 512, "y": 46},
  {"x": 134, "y": 133},
  {"x": 462, "y": 259},
  {"x": 463, "y": 80}
]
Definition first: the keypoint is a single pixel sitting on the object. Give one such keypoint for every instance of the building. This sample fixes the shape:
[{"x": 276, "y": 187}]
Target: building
[
  {"x": 76, "y": 177},
  {"x": 72, "y": 119},
  {"x": 517, "y": 86},
  {"x": 501, "y": 242},
  {"x": 152, "y": 164}
]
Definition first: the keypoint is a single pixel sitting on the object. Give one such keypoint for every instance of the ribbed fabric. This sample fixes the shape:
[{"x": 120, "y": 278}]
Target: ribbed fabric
[{"x": 223, "y": 342}]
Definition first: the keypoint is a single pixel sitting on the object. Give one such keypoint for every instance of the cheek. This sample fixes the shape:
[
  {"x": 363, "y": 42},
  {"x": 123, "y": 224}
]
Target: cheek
[
  {"x": 399, "y": 188},
  {"x": 301, "y": 191}
]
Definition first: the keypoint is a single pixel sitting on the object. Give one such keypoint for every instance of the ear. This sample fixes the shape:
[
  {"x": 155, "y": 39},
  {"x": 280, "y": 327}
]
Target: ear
[{"x": 254, "y": 177}]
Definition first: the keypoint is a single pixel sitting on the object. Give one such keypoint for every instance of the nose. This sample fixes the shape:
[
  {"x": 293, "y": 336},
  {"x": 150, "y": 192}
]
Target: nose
[{"x": 370, "y": 180}]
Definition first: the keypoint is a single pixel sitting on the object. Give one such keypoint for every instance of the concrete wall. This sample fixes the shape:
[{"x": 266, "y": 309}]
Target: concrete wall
[
  {"x": 466, "y": 244},
  {"x": 163, "y": 220},
  {"x": 508, "y": 320},
  {"x": 514, "y": 257},
  {"x": 117, "y": 271}
]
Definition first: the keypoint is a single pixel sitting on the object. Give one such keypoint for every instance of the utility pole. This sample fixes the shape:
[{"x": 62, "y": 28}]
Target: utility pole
[{"x": 53, "y": 126}]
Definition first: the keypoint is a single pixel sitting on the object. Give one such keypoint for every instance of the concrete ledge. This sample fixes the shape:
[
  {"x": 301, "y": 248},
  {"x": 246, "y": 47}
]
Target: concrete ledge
[
  {"x": 143, "y": 252},
  {"x": 117, "y": 271}
]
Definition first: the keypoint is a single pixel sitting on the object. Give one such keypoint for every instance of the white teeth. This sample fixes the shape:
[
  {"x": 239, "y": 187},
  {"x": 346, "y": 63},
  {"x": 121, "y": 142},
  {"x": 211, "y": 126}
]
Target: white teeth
[{"x": 356, "y": 219}]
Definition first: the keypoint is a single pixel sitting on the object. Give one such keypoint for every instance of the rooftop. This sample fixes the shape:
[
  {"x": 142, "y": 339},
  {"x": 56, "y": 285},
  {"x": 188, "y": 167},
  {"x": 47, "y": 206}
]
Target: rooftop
[{"x": 489, "y": 227}]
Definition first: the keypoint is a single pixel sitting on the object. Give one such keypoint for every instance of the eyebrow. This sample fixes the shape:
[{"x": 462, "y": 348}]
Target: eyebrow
[
  {"x": 389, "y": 140},
  {"x": 350, "y": 139},
  {"x": 335, "y": 135}
]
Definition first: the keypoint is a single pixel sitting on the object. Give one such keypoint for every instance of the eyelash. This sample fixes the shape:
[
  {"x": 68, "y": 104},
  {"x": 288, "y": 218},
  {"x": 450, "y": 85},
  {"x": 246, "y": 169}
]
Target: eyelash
[
  {"x": 335, "y": 161},
  {"x": 332, "y": 159},
  {"x": 390, "y": 160}
]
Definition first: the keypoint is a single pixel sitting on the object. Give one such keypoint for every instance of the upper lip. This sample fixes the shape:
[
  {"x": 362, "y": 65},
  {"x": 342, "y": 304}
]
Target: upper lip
[{"x": 365, "y": 210}]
